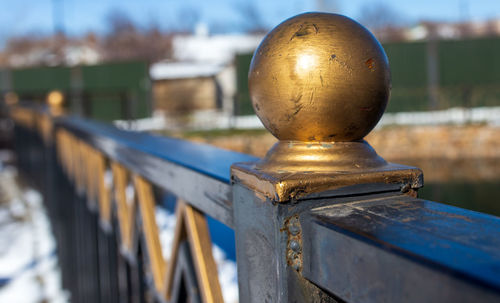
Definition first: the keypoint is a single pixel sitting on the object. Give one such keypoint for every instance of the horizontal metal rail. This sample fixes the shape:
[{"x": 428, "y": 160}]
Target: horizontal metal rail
[
  {"x": 402, "y": 249},
  {"x": 355, "y": 245},
  {"x": 195, "y": 172},
  {"x": 321, "y": 218}
]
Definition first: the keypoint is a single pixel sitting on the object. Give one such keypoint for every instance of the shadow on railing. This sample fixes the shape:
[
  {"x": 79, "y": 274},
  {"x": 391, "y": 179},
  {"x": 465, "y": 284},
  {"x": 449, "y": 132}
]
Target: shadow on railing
[{"x": 322, "y": 218}]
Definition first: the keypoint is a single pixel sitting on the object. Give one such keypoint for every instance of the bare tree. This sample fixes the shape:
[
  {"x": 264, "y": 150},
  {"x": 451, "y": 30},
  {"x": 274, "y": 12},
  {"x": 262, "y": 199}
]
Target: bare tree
[
  {"x": 465, "y": 30},
  {"x": 492, "y": 28},
  {"x": 188, "y": 18},
  {"x": 251, "y": 17},
  {"x": 119, "y": 22},
  {"x": 385, "y": 22},
  {"x": 126, "y": 41},
  {"x": 329, "y": 6},
  {"x": 33, "y": 49}
]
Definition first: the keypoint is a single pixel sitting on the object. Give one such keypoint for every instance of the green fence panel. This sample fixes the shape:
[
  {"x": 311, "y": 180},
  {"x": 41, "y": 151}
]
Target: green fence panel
[
  {"x": 469, "y": 62},
  {"x": 40, "y": 80},
  {"x": 107, "y": 82},
  {"x": 112, "y": 91},
  {"x": 243, "y": 104},
  {"x": 408, "y": 63},
  {"x": 405, "y": 99},
  {"x": 107, "y": 108},
  {"x": 468, "y": 73},
  {"x": 115, "y": 76}
]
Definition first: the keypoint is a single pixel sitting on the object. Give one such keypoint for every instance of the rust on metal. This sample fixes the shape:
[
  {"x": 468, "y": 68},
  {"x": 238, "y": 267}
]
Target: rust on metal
[
  {"x": 292, "y": 186},
  {"x": 294, "y": 242}
]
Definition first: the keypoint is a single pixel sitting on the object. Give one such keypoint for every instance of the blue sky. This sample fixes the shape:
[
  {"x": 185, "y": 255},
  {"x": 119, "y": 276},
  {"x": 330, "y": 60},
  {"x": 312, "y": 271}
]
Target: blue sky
[{"x": 19, "y": 17}]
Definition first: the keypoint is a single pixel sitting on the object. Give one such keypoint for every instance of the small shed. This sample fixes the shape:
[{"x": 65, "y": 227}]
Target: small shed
[{"x": 181, "y": 88}]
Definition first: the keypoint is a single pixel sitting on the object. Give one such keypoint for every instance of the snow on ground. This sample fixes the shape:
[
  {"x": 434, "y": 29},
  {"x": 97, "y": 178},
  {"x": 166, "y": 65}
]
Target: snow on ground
[
  {"x": 29, "y": 270},
  {"x": 206, "y": 120},
  {"x": 456, "y": 115},
  {"x": 28, "y": 264},
  {"x": 226, "y": 268}
]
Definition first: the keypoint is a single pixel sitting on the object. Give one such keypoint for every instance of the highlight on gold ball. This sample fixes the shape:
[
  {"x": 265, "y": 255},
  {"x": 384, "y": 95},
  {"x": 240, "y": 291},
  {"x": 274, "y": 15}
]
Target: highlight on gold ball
[{"x": 308, "y": 83}]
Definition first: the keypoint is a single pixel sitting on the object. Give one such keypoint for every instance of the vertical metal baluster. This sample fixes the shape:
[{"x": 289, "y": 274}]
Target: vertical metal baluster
[
  {"x": 191, "y": 225},
  {"x": 150, "y": 230}
]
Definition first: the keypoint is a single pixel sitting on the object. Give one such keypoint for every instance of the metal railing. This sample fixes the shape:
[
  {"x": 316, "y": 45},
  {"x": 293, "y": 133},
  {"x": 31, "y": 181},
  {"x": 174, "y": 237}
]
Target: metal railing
[{"x": 322, "y": 218}]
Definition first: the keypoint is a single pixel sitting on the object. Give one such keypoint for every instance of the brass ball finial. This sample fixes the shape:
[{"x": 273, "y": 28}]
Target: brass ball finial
[
  {"x": 320, "y": 83},
  {"x": 55, "y": 100},
  {"x": 11, "y": 98},
  {"x": 319, "y": 77}
]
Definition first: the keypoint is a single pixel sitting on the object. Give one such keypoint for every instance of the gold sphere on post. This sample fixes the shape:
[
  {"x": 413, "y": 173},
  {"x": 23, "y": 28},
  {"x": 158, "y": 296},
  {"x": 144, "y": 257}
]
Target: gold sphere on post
[
  {"x": 11, "y": 98},
  {"x": 55, "y": 100},
  {"x": 319, "y": 77},
  {"x": 320, "y": 83}
]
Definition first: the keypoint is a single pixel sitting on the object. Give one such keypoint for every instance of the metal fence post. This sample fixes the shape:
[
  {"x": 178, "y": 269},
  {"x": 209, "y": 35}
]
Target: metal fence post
[{"x": 319, "y": 83}]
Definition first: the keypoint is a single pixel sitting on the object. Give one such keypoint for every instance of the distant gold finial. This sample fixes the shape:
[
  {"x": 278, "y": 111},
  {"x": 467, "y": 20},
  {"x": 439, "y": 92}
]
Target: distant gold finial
[
  {"x": 319, "y": 77},
  {"x": 11, "y": 98},
  {"x": 55, "y": 100}
]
